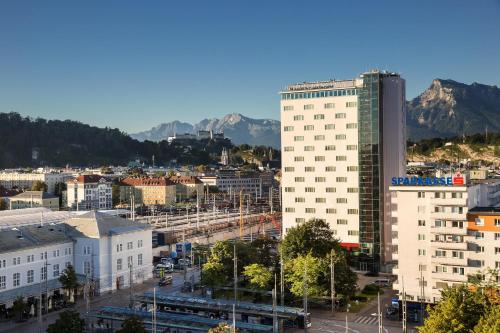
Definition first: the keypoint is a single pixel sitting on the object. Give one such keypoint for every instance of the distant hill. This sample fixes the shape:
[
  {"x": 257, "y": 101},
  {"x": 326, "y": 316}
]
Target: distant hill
[
  {"x": 37, "y": 142},
  {"x": 449, "y": 108},
  {"x": 238, "y": 128}
]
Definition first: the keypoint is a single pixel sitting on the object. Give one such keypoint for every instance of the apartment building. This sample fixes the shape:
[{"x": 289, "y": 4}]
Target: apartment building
[
  {"x": 31, "y": 199},
  {"x": 89, "y": 192},
  {"x": 24, "y": 181},
  {"x": 440, "y": 233},
  {"x": 148, "y": 191},
  {"x": 187, "y": 187},
  {"x": 341, "y": 143}
]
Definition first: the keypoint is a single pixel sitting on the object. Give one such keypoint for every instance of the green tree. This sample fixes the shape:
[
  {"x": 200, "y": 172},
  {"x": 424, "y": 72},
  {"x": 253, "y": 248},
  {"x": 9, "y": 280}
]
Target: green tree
[
  {"x": 223, "y": 327},
  {"x": 459, "y": 311},
  {"x": 490, "y": 322},
  {"x": 266, "y": 251},
  {"x": 39, "y": 186},
  {"x": 306, "y": 268},
  {"x": 68, "y": 322},
  {"x": 59, "y": 188},
  {"x": 69, "y": 281},
  {"x": 313, "y": 236},
  {"x": 19, "y": 307},
  {"x": 259, "y": 276},
  {"x": 115, "y": 194},
  {"x": 213, "y": 274},
  {"x": 132, "y": 324}
]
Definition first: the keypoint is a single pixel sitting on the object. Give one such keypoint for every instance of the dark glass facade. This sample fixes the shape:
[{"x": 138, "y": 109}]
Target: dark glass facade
[{"x": 370, "y": 166}]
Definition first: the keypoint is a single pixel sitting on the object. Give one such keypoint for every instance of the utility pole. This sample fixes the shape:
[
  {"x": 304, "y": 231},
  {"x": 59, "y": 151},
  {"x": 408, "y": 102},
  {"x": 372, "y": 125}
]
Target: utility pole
[
  {"x": 379, "y": 315},
  {"x": 422, "y": 296},
  {"x": 332, "y": 282},
  {"x": 275, "y": 315},
  {"x": 404, "y": 306},
  {"x": 184, "y": 253},
  {"x": 305, "y": 297},
  {"x": 197, "y": 212},
  {"x": 235, "y": 269},
  {"x": 241, "y": 214},
  {"x": 131, "y": 304},
  {"x": 153, "y": 313}
]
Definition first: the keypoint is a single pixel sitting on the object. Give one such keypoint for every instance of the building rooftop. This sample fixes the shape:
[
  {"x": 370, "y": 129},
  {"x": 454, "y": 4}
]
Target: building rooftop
[
  {"x": 24, "y": 237},
  {"x": 185, "y": 180},
  {"x": 146, "y": 181},
  {"x": 34, "y": 195},
  {"x": 95, "y": 224},
  {"x": 88, "y": 179},
  {"x": 486, "y": 210}
]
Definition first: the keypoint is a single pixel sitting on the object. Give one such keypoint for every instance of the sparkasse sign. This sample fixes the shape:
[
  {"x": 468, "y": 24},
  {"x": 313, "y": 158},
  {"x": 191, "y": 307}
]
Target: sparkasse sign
[{"x": 456, "y": 179}]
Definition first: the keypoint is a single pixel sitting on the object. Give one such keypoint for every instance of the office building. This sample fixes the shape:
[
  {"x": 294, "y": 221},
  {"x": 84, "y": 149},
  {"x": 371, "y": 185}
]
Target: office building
[
  {"x": 342, "y": 141},
  {"x": 442, "y": 233},
  {"x": 147, "y": 191},
  {"x": 24, "y": 181},
  {"x": 31, "y": 199}
]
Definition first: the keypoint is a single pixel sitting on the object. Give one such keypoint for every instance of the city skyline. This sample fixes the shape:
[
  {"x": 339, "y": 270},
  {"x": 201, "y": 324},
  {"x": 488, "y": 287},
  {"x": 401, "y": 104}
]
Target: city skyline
[{"x": 133, "y": 66}]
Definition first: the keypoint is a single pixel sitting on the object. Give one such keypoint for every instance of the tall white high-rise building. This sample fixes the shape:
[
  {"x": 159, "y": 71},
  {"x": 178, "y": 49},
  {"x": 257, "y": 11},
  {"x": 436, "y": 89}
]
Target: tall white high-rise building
[{"x": 342, "y": 141}]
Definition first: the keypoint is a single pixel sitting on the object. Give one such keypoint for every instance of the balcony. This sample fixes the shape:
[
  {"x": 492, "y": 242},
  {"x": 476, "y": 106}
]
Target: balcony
[
  {"x": 449, "y": 277},
  {"x": 449, "y": 261},
  {"x": 450, "y": 202},
  {"x": 449, "y": 245},
  {"x": 449, "y": 231},
  {"x": 449, "y": 216}
]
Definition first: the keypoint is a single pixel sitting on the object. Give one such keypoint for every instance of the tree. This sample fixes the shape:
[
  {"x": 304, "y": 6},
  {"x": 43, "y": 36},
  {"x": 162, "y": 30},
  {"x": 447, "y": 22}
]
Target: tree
[
  {"x": 490, "y": 322},
  {"x": 223, "y": 327},
  {"x": 19, "y": 307},
  {"x": 69, "y": 281},
  {"x": 39, "y": 186},
  {"x": 132, "y": 324},
  {"x": 306, "y": 268},
  {"x": 68, "y": 322},
  {"x": 258, "y": 275},
  {"x": 59, "y": 188},
  {"x": 115, "y": 194},
  {"x": 213, "y": 274},
  {"x": 459, "y": 311},
  {"x": 313, "y": 236}
]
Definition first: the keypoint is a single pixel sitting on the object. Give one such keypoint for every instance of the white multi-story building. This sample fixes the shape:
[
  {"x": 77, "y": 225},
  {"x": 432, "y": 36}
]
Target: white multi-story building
[
  {"x": 341, "y": 141},
  {"x": 89, "y": 192},
  {"x": 110, "y": 250},
  {"x": 438, "y": 241},
  {"x": 25, "y": 181},
  {"x": 233, "y": 185},
  {"x": 31, "y": 260}
]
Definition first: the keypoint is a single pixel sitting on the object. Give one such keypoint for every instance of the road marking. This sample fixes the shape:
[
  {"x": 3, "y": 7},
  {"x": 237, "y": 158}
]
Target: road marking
[{"x": 366, "y": 320}]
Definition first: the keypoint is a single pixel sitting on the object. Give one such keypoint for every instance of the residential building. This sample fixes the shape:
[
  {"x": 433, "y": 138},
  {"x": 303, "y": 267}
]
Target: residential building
[
  {"x": 89, "y": 192},
  {"x": 148, "y": 191},
  {"x": 24, "y": 181},
  {"x": 235, "y": 181},
  {"x": 341, "y": 142},
  {"x": 110, "y": 250},
  {"x": 30, "y": 199},
  {"x": 187, "y": 187},
  {"x": 441, "y": 234}
]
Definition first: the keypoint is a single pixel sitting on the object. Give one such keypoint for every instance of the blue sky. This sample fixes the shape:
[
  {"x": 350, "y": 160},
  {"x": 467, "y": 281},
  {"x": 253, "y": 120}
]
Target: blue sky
[{"x": 135, "y": 64}]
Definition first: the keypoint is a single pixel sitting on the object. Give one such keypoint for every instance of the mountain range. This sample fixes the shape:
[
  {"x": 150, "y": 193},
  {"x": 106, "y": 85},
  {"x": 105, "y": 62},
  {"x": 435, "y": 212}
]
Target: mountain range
[{"x": 446, "y": 109}]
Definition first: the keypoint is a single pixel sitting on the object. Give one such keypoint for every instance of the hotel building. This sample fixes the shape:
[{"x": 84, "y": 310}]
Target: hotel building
[
  {"x": 442, "y": 234},
  {"x": 342, "y": 141}
]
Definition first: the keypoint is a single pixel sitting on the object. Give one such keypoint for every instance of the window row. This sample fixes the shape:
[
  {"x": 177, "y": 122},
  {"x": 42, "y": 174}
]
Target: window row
[{"x": 320, "y": 94}]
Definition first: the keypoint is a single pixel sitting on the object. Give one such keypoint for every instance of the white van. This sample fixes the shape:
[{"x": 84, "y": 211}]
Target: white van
[{"x": 382, "y": 282}]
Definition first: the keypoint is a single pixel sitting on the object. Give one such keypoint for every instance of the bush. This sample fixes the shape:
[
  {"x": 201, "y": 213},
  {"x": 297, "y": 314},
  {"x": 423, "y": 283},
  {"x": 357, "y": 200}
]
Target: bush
[{"x": 371, "y": 289}]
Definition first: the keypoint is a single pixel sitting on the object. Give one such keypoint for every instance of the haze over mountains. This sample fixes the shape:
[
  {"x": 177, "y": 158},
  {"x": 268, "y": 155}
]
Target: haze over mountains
[{"x": 446, "y": 109}]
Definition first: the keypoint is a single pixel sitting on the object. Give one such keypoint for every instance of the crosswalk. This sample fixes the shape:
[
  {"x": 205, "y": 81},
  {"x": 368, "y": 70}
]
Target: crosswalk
[{"x": 367, "y": 320}]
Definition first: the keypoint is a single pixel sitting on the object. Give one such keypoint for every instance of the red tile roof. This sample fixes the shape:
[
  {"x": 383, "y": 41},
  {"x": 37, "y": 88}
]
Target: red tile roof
[
  {"x": 88, "y": 179},
  {"x": 185, "y": 180},
  {"x": 146, "y": 181}
]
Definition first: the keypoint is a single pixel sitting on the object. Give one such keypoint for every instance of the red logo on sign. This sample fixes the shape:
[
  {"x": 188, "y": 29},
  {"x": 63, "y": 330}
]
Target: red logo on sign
[{"x": 458, "y": 179}]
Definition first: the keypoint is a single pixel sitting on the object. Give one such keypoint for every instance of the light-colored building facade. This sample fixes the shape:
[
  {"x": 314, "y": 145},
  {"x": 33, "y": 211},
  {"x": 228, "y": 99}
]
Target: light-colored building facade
[
  {"x": 30, "y": 255},
  {"x": 341, "y": 142},
  {"x": 31, "y": 199},
  {"x": 24, "y": 181},
  {"x": 147, "y": 191},
  {"x": 234, "y": 184},
  {"x": 187, "y": 187},
  {"x": 89, "y": 192},
  {"x": 437, "y": 242},
  {"x": 110, "y": 250}
]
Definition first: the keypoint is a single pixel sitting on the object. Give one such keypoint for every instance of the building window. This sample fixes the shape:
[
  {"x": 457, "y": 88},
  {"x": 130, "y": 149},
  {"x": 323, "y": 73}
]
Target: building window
[
  {"x": 341, "y": 221},
  {"x": 43, "y": 273},
  {"x": 300, "y": 199},
  {"x": 130, "y": 261},
  {"x": 2, "y": 282},
  {"x": 86, "y": 250},
  {"x": 289, "y": 189},
  {"x": 329, "y": 105},
  {"x": 308, "y": 148},
  {"x": 351, "y": 126},
  {"x": 340, "y": 137},
  {"x": 3, "y": 263},
  {"x": 319, "y": 138},
  {"x": 290, "y": 210},
  {"x": 331, "y": 211},
  {"x": 310, "y": 210},
  {"x": 30, "y": 276},
  {"x": 298, "y": 117},
  {"x": 288, "y": 148},
  {"x": 331, "y": 190},
  {"x": 30, "y": 258},
  {"x": 341, "y": 179},
  {"x": 340, "y": 158},
  {"x": 456, "y": 195},
  {"x": 310, "y": 189},
  {"x": 421, "y": 252},
  {"x": 351, "y": 104},
  {"x": 330, "y": 147},
  {"x": 298, "y": 158},
  {"x": 298, "y": 138},
  {"x": 353, "y": 232},
  {"x": 458, "y": 270},
  {"x": 352, "y": 190},
  {"x": 300, "y": 220},
  {"x": 320, "y": 179},
  {"x": 329, "y": 126},
  {"x": 309, "y": 169},
  {"x": 330, "y": 169},
  {"x": 139, "y": 243},
  {"x": 421, "y": 237},
  {"x": 119, "y": 247},
  {"x": 341, "y": 200},
  {"x": 497, "y": 222},
  {"x": 289, "y": 169},
  {"x": 352, "y": 168},
  {"x": 340, "y": 115},
  {"x": 16, "y": 279},
  {"x": 320, "y": 200},
  {"x": 497, "y": 250},
  {"x": 319, "y": 158},
  {"x": 308, "y": 106},
  {"x": 119, "y": 264},
  {"x": 288, "y": 128},
  {"x": 352, "y": 211},
  {"x": 55, "y": 270},
  {"x": 421, "y": 223},
  {"x": 139, "y": 259},
  {"x": 16, "y": 261},
  {"x": 299, "y": 179},
  {"x": 319, "y": 116},
  {"x": 288, "y": 108}
]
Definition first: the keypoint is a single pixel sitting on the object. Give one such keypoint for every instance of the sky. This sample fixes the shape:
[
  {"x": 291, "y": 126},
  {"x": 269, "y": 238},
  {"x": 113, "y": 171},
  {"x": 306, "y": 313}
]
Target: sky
[{"x": 136, "y": 64}]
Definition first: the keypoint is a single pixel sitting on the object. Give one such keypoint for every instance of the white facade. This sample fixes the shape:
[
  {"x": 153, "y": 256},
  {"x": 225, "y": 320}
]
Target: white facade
[
  {"x": 89, "y": 192},
  {"x": 20, "y": 180},
  {"x": 322, "y": 141},
  {"x": 433, "y": 244},
  {"x": 231, "y": 185}
]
